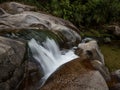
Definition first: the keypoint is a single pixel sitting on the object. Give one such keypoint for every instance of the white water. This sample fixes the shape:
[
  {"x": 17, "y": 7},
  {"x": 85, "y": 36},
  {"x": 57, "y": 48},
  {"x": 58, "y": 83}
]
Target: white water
[{"x": 49, "y": 56}]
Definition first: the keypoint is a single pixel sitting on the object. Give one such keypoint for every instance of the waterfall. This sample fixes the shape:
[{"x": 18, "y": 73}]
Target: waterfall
[{"x": 49, "y": 56}]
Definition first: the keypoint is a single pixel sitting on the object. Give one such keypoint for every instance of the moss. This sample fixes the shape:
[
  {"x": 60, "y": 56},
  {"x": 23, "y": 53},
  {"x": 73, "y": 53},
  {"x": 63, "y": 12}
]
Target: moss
[
  {"x": 91, "y": 33},
  {"x": 112, "y": 56},
  {"x": 96, "y": 33}
]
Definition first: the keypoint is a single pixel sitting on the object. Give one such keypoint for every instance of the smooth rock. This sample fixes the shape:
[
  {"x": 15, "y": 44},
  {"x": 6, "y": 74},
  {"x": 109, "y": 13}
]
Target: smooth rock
[
  {"x": 90, "y": 50},
  {"x": 74, "y": 76},
  {"x": 37, "y": 20},
  {"x": 97, "y": 65},
  {"x": 115, "y": 29},
  {"x": 14, "y": 7}
]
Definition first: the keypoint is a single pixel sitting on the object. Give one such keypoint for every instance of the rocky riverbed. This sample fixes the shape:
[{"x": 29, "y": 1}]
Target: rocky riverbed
[{"x": 19, "y": 70}]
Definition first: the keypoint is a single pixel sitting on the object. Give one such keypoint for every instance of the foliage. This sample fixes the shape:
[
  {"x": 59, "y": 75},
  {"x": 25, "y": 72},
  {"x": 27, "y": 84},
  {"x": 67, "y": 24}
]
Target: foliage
[
  {"x": 86, "y": 12},
  {"x": 80, "y": 12}
]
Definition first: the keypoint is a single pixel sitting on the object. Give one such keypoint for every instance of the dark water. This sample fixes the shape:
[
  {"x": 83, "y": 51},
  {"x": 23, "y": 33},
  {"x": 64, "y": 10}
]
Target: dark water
[{"x": 111, "y": 52}]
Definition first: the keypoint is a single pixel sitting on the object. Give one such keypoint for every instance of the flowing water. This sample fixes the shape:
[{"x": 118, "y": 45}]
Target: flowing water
[{"x": 49, "y": 56}]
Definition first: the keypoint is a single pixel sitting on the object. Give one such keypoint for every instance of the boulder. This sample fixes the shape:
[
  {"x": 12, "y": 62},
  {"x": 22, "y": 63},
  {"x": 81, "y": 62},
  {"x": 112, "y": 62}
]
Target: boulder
[
  {"x": 114, "y": 29},
  {"x": 89, "y": 50},
  {"x": 74, "y": 76},
  {"x": 115, "y": 87},
  {"x": 107, "y": 40},
  {"x": 11, "y": 51},
  {"x": 36, "y": 20},
  {"x": 11, "y": 63},
  {"x": 14, "y": 7},
  {"x": 97, "y": 65},
  {"x": 116, "y": 75}
]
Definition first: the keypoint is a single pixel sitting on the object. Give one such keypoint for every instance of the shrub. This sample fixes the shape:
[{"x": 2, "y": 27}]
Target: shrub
[{"x": 80, "y": 12}]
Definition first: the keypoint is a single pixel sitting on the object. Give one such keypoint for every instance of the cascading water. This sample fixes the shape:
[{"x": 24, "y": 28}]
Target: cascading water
[{"x": 49, "y": 56}]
